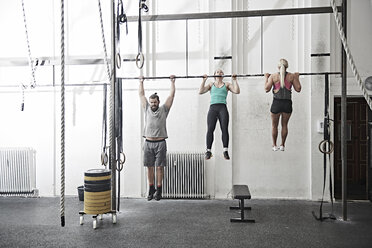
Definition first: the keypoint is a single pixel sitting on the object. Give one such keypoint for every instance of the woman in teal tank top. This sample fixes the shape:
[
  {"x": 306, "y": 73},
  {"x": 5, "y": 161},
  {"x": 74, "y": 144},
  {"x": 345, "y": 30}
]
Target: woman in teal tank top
[{"x": 218, "y": 110}]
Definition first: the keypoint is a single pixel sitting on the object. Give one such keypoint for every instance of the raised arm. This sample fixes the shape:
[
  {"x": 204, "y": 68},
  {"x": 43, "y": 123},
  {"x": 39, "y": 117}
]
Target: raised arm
[
  {"x": 268, "y": 82},
  {"x": 141, "y": 92},
  {"x": 296, "y": 82},
  {"x": 170, "y": 98},
  {"x": 204, "y": 88},
  {"x": 234, "y": 88}
]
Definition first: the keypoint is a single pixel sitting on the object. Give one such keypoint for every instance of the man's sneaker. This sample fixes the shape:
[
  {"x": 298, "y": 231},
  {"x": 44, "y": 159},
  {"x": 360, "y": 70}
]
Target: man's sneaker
[
  {"x": 208, "y": 155},
  {"x": 275, "y": 148},
  {"x": 157, "y": 195},
  {"x": 152, "y": 191},
  {"x": 281, "y": 148},
  {"x": 226, "y": 155}
]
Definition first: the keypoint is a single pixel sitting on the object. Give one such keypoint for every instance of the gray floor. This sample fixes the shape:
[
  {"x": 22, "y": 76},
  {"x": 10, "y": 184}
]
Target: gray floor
[{"x": 35, "y": 222}]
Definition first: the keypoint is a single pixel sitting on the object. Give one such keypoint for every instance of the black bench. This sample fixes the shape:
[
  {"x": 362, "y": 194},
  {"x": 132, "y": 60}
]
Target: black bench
[{"x": 241, "y": 192}]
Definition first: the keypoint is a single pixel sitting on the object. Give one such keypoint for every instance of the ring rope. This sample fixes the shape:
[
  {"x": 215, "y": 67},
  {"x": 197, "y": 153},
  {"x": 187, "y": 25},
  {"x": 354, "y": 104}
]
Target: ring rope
[
  {"x": 140, "y": 58},
  {"x": 349, "y": 55},
  {"x": 121, "y": 18},
  {"x": 62, "y": 202}
]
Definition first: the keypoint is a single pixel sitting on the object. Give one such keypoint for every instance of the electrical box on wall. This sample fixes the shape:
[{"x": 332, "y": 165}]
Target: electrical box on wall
[{"x": 320, "y": 126}]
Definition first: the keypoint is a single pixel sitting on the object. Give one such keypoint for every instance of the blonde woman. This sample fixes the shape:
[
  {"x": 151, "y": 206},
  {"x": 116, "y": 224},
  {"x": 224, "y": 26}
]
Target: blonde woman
[{"x": 281, "y": 84}]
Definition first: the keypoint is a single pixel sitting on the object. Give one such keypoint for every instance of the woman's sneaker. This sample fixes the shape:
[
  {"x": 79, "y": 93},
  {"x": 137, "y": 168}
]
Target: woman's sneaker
[
  {"x": 275, "y": 148},
  {"x": 208, "y": 155},
  {"x": 281, "y": 148},
  {"x": 226, "y": 155}
]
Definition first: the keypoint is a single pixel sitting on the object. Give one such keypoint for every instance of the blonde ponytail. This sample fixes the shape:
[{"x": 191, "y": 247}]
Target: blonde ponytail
[{"x": 283, "y": 65}]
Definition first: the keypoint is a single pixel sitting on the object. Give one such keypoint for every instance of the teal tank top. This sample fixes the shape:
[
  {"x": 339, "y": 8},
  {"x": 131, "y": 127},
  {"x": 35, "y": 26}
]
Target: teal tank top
[{"x": 218, "y": 95}]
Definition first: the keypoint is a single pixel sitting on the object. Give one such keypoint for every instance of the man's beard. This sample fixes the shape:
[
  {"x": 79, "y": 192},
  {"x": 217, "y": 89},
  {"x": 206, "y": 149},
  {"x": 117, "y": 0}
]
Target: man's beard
[{"x": 154, "y": 108}]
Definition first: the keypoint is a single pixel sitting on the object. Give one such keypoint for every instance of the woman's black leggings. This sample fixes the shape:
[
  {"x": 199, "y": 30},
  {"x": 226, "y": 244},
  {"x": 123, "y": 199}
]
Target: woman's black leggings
[{"x": 218, "y": 112}]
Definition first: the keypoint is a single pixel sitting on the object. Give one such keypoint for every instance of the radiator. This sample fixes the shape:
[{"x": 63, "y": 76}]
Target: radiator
[
  {"x": 17, "y": 172},
  {"x": 184, "y": 176}
]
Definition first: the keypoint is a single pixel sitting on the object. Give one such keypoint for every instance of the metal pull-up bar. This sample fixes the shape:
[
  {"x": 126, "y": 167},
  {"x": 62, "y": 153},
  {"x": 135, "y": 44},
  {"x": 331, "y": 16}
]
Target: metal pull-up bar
[{"x": 239, "y": 75}]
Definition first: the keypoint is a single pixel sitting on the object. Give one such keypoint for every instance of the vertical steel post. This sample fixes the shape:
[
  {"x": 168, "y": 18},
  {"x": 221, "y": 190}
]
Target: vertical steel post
[
  {"x": 343, "y": 118},
  {"x": 187, "y": 47},
  {"x": 261, "y": 33},
  {"x": 112, "y": 109}
]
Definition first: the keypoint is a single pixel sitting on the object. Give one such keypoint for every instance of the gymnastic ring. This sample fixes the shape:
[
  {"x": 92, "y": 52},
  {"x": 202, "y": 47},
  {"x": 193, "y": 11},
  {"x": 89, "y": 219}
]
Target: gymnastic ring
[
  {"x": 104, "y": 158},
  {"x": 121, "y": 161},
  {"x": 118, "y": 60},
  {"x": 140, "y": 59},
  {"x": 322, "y": 146}
]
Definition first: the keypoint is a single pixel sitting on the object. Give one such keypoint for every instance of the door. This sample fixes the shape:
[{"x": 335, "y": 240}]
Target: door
[{"x": 357, "y": 149}]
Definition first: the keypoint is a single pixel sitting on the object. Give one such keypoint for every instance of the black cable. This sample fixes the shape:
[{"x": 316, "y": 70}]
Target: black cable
[
  {"x": 119, "y": 133},
  {"x": 104, "y": 157},
  {"x": 327, "y": 140}
]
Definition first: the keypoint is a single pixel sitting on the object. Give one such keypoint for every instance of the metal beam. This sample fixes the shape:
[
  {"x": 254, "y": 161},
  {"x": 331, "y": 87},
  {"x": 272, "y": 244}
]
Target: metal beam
[
  {"x": 112, "y": 133},
  {"x": 344, "y": 117},
  {"x": 239, "y": 75},
  {"x": 99, "y": 83},
  {"x": 234, "y": 14}
]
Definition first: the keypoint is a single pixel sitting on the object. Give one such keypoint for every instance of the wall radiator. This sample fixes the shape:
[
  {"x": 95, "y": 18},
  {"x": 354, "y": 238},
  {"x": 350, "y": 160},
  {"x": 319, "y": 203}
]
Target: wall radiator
[
  {"x": 184, "y": 176},
  {"x": 18, "y": 172}
]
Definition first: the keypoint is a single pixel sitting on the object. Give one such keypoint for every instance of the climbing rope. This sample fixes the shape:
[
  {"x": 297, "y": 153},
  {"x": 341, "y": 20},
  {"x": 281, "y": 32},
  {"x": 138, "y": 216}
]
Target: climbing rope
[
  {"x": 349, "y": 55},
  {"x": 30, "y": 61},
  {"x": 62, "y": 202},
  {"x": 104, "y": 42}
]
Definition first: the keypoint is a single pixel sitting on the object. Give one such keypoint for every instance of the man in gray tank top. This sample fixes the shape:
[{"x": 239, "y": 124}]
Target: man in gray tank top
[{"x": 155, "y": 133}]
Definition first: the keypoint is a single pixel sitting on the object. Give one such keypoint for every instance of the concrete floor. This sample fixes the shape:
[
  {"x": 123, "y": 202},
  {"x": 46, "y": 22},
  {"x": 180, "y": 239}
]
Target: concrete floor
[{"x": 35, "y": 222}]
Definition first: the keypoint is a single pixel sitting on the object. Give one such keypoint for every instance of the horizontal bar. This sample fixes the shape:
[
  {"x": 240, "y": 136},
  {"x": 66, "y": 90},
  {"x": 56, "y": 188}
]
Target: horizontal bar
[
  {"x": 320, "y": 54},
  {"x": 223, "y": 57},
  {"x": 165, "y": 77},
  {"x": 240, "y": 75},
  {"x": 235, "y": 14},
  {"x": 129, "y": 60}
]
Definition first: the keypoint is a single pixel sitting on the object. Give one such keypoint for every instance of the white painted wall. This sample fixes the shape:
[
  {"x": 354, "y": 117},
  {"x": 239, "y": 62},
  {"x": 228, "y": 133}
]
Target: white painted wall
[{"x": 295, "y": 173}]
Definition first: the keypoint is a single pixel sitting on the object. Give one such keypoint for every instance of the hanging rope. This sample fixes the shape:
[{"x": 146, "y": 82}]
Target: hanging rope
[
  {"x": 349, "y": 55},
  {"x": 62, "y": 202},
  {"x": 104, "y": 42},
  {"x": 30, "y": 61}
]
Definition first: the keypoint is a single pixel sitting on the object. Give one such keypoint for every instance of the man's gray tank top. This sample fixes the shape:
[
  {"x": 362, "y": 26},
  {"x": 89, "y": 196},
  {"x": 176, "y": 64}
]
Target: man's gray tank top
[{"x": 155, "y": 122}]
